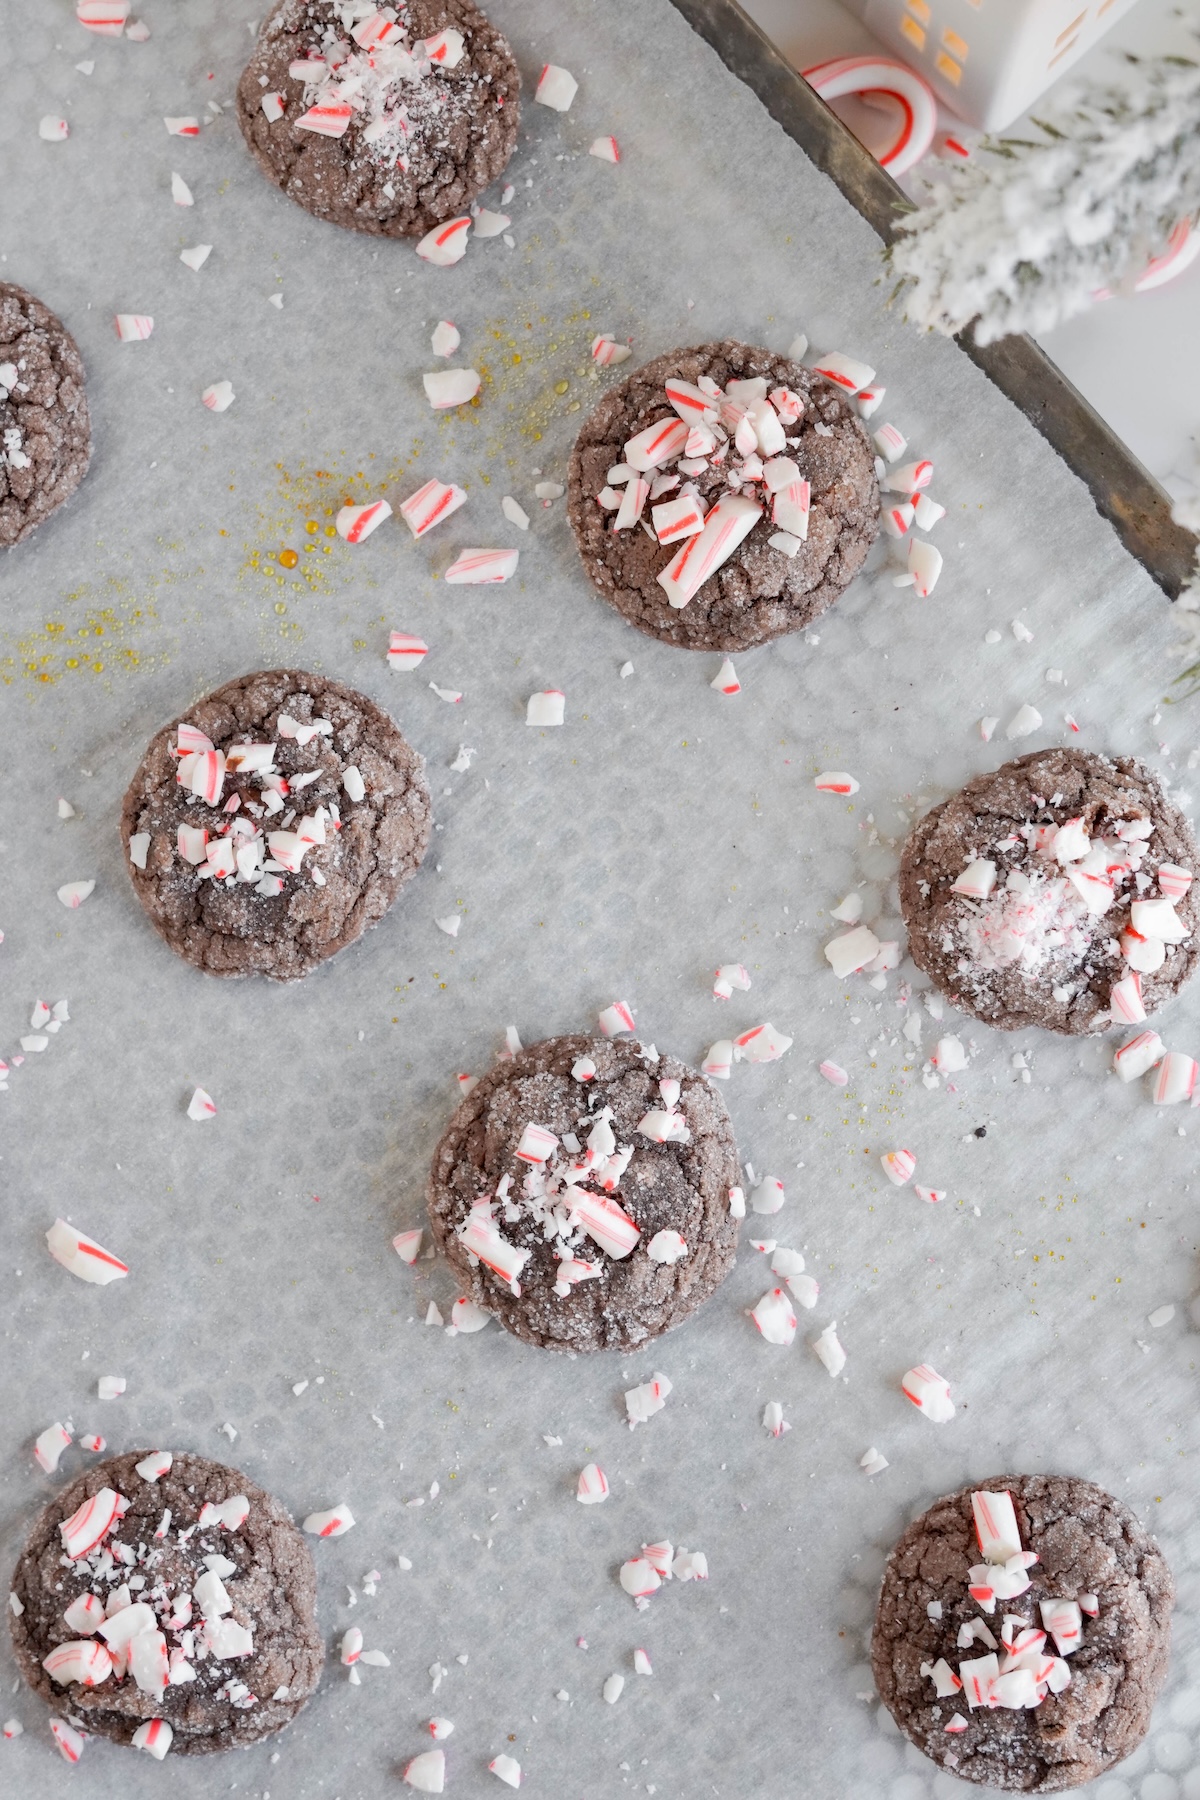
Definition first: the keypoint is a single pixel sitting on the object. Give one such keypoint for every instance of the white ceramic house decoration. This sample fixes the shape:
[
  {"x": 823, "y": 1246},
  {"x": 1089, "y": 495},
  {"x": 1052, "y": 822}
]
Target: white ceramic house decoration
[{"x": 989, "y": 60}]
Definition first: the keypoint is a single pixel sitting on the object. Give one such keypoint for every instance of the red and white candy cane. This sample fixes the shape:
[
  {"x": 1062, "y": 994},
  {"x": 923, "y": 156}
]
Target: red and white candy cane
[
  {"x": 606, "y": 351},
  {"x": 153, "y": 1735},
  {"x": 446, "y": 48},
  {"x": 85, "y": 1613},
  {"x": 728, "y": 523},
  {"x": 105, "y": 17},
  {"x": 90, "y": 1524},
  {"x": 605, "y": 1222},
  {"x": 84, "y": 1661},
  {"x": 592, "y": 1486},
  {"x": 615, "y": 1019},
  {"x": 1173, "y": 882},
  {"x": 537, "y": 1144},
  {"x": 445, "y": 244},
  {"x": 333, "y": 1523},
  {"x": 70, "y": 1742},
  {"x": 657, "y": 445},
  {"x": 375, "y": 30},
  {"x": 883, "y": 76},
  {"x": 1175, "y": 1080},
  {"x": 49, "y": 1447},
  {"x": 133, "y": 327},
  {"x": 482, "y": 1238},
  {"x": 356, "y": 523},
  {"x": 674, "y": 519},
  {"x": 1125, "y": 999},
  {"x": 845, "y": 372},
  {"x": 407, "y": 1245},
  {"x": 640, "y": 1578},
  {"x": 761, "y": 1044},
  {"x": 432, "y": 503},
  {"x": 775, "y": 1317},
  {"x": 996, "y": 1529},
  {"x": 929, "y": 1393},
  {"x": 82, "y": 1255},
  {"x": 406, "y": 651},
  {"x": 835, "y": 781},
  {"x": 327, "y": 121},
  {"x": 482, "y": 568},
  {"x": 898, "y": 1166}
]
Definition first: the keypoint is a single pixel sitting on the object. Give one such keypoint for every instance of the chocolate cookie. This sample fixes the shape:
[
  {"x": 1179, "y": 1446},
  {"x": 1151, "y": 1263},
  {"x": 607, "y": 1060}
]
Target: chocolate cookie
[
  {"x": 185, "y": 1597},
  {"x": 45, "y": 433},
  {"x": 382, "y": 123},
  {"x": 1052, "y": 1679},
  {"x": 272, "y": 823},
  {"x": 774, "y": 448},
  {"x": 1055, "y": 892},
  {"x": 581, "y": 1194}
]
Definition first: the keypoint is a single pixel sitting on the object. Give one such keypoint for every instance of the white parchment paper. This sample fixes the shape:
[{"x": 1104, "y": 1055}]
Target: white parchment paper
[{"x": 663, "y": 830}]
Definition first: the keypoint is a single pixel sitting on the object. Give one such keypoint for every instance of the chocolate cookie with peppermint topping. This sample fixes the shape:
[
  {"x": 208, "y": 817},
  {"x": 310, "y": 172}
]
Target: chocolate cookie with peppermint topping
[
  {"x": 723, "y": 495},
  {"x": 1023, "y": 1632},
  {"x": 273, "y": 823},
  {"x": 388, "y": 119},
  {"x": 170, "y": 1603},
  {"x": 45, "y": 432},
  {"x": 1054, "y": 891},
  {"x": 581, "y": 1193}
]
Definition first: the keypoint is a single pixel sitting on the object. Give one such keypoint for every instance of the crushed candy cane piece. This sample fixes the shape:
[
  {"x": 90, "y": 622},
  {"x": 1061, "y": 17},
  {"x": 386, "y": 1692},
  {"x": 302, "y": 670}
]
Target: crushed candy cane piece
[
  {"x": 201, "y": 1106},
  {"x": 196, "y": 256},
  {"x": 154, "y": 1735},
  {"x": 830, "y": 1351},
  {"x": 547, "y": 708},
  {"x": 330, "y": 1524},
  {"x": 845, "y": 372},
  {"x": 556, "y": 88},
  {"x": 930, "y": 1195},
  {"x": 996, "y": 1529},
  {"x": 639, "y": 1577},
  {"x": 52, "y": 129},
  {"x": 605, "y": 352},
  {"x": 728, "y": 977},
  {"x": 440, "y": 1728},
  {"x": 642, "y": 1402},
  {"x": 91, "y": 1523},
  {"x": 106, "y": 18},
  {"x": 852, "y": 951},
  {"x": 351, "y": 1648},
  {"x": 82, "y": 1255},
  {"x": 49, "y": 1447},
  {"x": 431, "y": 503},
  {"x": 451, "y": 387},
  {"x": 154, "y": 1466},
  {"x": 666, "y": 1247},
  {"x": 480, "y": 568},
  {"x": 445, "y": 244},
  {"x": 615, "y": 1019},
  {"x": 407, "y": 1245},
  {"x": 718, "y": 1062},
  {"x": 929, "y": 1393},
  {"x": 833, "y": 1073},
  {"x": 1175, "y": 1080},
  {"x": 835, "y": 783},
  {"x": 768, "y": 1197},
  {"x": 613, "y": 1688},
  {"x": 773, "y": 1419},
  {"x": 924, "y": 565},
  {"x": 1023, "y": 722},
  {"x": 508, "y": 1769},
  {"x": 977, "y": 879},
  {"x": 74, "y": 893},
  {"x": 83, "y": 1661},
  {"x": 132, "y": 328},
  {"x": 427, "y": 1772},
  {"x": 219, "y": 397},
  {"x": 356, "y": 523},
  {"x": 406, "y": 651},
  {"x": 872, "y": 1462},
  {"x": 761, "y": 1044},
  {"x": 725, "y": 680},
  {"x": 606, "y": 149},
  {"x": 727, "y": 524},
  {"x": 467, "y": 1318},
  {"x": 445, "y": 339},
  {"x": 536, "y": 1144},
  {"x": 775, "y": 1318},
  {"x": 592, "y": 1486},
  {"x": 182, "y": 127},
  {"x": 1141, "y": 1054}
]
